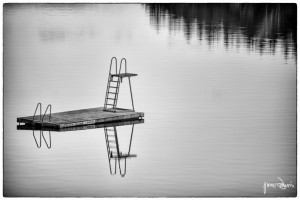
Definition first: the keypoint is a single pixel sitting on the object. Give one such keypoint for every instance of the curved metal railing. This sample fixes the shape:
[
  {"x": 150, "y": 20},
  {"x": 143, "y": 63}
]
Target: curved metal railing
[
  {"x": 113, "y": 58},
  {"x": 49, "y": 106},
  {"x": 121, "y": 65},
  {"x": 128, "y": 80},
  {"x": 109, "y": 79},
  {"x": 33, "y": 119}
]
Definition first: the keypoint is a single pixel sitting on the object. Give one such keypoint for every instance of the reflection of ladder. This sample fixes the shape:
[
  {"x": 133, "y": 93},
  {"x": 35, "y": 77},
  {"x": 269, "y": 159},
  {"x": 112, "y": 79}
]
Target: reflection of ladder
[
  {"x": 111, "y": 142},
  {"x": 113, "y": 86},
  {"x": 111, "y": 147},
  {"x": 113, "y": 152}
]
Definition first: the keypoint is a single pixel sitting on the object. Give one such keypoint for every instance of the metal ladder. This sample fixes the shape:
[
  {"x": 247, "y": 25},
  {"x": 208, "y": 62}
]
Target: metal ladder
[
  {"x": 113, "y": 85},
  {"x": 113, "y": 152}
]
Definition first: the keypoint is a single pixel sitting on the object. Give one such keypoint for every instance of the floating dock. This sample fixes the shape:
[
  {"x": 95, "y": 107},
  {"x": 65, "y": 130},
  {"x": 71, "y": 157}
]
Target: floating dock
[
  {"x": 81, "y": 117},
  {"x": 85, "y": 117},
  {"x": 80, "y": 128}
]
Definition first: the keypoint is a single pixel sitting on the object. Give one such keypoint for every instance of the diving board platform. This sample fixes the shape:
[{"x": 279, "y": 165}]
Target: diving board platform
[
  {"x": 81, "y": 128},
  {"x": 80, "y": 117}
]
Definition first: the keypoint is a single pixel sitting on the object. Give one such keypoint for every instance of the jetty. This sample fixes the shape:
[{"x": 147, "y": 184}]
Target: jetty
[
  {"x": 109, "y": 113},
  {"x": 80, "y": 120}
]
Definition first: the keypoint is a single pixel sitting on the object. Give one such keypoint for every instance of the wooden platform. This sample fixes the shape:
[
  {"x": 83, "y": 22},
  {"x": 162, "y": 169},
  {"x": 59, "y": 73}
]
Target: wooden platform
[
  {"x": 30, "y": 127},
  {"x": 82, "y": 117}
]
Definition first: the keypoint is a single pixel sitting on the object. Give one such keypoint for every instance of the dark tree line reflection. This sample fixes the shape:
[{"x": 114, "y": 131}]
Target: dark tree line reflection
[{"x": 256, "y": 25}]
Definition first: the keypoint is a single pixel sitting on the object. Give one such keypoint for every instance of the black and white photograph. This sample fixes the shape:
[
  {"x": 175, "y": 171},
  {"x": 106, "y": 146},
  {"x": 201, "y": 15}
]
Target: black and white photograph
[{"x": 141, "y": 99}]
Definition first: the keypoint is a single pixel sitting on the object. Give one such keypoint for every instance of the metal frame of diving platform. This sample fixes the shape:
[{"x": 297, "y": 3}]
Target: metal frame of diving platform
[
  {"x": 109, "y": 113},
  {"x": 108, "y": 117},
  {"x": 113, "y": 85}
]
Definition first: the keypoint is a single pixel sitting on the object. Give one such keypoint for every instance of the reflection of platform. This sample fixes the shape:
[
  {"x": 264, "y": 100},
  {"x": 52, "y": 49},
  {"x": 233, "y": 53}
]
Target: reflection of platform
[
  {"x": 77, "y": 128},
  {"x": 123, "y": 75},
  {"x": 82, "y": 117}
]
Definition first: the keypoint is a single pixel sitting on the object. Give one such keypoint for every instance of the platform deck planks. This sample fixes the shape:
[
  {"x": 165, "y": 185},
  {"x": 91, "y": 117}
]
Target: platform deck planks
[
  {"x": 81, "y": 117},
  {"x": 80, "y": 128}
]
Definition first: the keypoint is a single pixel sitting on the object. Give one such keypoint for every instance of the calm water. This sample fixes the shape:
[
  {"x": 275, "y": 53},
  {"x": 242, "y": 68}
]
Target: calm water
[{"x": 217, "y": 84}]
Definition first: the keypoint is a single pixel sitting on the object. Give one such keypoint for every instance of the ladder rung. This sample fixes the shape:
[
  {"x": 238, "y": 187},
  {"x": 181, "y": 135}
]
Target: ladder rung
[
  {"x": 114, "y": 81},
  {"x": 111, "y": 98},
  {"x": 110, "y": 104},
  {"x": 113, "y": 87},
  {"x": 112, "y": 92}
]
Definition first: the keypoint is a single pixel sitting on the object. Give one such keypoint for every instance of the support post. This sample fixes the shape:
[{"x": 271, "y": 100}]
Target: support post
[{"x": 131, "y": 94}]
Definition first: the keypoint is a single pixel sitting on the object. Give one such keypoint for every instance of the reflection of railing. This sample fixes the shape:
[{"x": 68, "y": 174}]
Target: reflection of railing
[
  {"x": 115, "y": 156},
  {"x": 40, "y": 137},
  {"x": 113, "y": 150}
]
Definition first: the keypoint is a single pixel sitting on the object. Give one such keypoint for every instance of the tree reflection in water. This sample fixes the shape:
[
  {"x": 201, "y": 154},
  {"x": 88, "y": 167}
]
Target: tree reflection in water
[{"x": 258, "y": 26}]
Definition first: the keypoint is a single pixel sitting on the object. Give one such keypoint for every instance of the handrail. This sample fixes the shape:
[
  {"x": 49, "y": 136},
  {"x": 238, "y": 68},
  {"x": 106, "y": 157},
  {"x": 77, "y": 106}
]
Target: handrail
[
  {"x": 49, "y": 105},
  {"x": 131, "y": 93},
  {"x": 121, "y": 65},
  {"x": 111, "y": 64},
  {"x": 109, "y": 77},
  {"x": 128, "y": 80},
  {"x": 39, "y": 104},
  {"x": 118, "y": 84}
]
